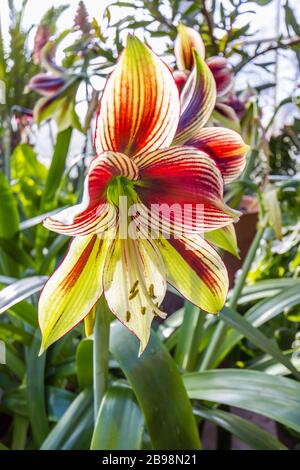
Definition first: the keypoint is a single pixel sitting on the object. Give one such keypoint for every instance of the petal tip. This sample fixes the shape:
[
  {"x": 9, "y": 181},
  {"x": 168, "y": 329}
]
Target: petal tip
[{"x": 42, "y": 349}]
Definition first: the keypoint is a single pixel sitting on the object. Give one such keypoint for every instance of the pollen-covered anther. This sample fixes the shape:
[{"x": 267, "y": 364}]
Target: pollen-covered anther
[
  {"x": 133, "y": 294},
  {"x": 133, "y": 289},
  {"x": 151, "y": 291}
]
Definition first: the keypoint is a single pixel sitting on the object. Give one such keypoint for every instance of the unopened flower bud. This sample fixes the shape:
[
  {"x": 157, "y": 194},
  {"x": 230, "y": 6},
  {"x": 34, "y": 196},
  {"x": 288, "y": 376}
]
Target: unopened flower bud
[
  {"x": 187, "y": 40},
  {"x": 46, "y": 84},
  {"x": 222, "y": 74}
]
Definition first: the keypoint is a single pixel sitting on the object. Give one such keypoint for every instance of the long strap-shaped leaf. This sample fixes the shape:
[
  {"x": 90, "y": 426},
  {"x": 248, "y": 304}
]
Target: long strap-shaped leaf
[
  {"x": 36, "y": 396},
  {"x": 275, "y": 397},
  {"x": 241, "y": 324},
  {"x": 74, "y": 429},
  {"x": 258, "y": 315},
  {"x": 246, "y": 431},
  {"x": 20, "y": 290},
  {"x": 120, "y": 422},
  {"x": 159, "y": 390}
]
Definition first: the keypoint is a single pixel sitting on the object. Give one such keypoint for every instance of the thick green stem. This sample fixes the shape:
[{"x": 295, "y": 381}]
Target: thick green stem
[
  {"x": 221, "y": 328},
  {"x": 189, "y": 338},
  {"x": 101, "y": 343}
]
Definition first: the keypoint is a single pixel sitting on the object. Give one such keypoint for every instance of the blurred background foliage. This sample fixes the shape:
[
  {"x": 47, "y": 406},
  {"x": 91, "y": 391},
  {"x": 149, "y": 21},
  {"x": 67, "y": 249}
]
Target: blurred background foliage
[{"x": 202, "y": 378}]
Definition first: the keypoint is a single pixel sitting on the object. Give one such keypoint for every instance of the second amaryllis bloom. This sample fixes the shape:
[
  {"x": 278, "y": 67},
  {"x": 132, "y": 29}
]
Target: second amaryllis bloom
[
  {"x": 189, "y": 40},
  {"x": 153, "y": 154}
]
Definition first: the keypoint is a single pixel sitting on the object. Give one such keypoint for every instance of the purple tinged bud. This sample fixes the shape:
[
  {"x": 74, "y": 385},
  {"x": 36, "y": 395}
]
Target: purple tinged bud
[
  {"x": 222, "y": 74},
  {"x": 46, "y": 84}
]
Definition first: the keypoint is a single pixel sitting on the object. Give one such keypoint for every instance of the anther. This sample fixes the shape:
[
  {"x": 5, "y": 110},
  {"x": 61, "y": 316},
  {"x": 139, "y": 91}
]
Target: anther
[
  {"x": 151, "y": 291},
  {"x": 132, "y": 295},
  {"x": 143, "y": 310},
  {"x": 134, "y": 287},
  {"x": 128, "y": 315}
]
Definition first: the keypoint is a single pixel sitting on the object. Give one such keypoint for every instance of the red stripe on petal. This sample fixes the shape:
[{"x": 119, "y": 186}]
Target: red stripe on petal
[
  {"x": 225, "y": 147},
  {"x": 140, "y": 107},
  {"x": 93, "y": 214},
  {"x": 188, "y": 181}
]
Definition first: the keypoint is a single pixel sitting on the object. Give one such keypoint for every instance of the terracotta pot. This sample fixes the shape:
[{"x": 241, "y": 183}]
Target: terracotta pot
[{"x": 245, "y": 232}]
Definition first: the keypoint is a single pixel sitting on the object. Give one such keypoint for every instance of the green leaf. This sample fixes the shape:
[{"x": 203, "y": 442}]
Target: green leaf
[
  {"x": 25, "y": 312},
  {"x": 6, "y": 280},
  {"x": 14, "y": 363},
  {"x": 273, "y": 210},
  {"x": 58, "y": 400},
  {"x": 74, "y": 429},
  {"x": 290, "y": 19},
  {"x": 262, "y": 2},
  {"x": 14, "y": 333},
  {"x": 241, "y": 324},
  {"x": 20, "y": 290},
  {"x": 9, "y": 217},
  {"x": 270, "y": 366},
  {"x": 25, "y": 163},
  {"x": 16, "y": 253},
  {"x": 264, "y": 289},
  {"x": 277, "y": 398},
  {"x": 20, "y": 430},
  {"x": 120, "y": 422},
  {"x": 56, "y": 168},
  {"x": 84, "y": 363},
  {"x": 158, "y": 387},
  {"x": 36, "y": 397},
  {"x": 248, "y": 432},
  {"x": 258, "y": 315},
  {"x": 54, "y": 249},
  {"x": 2, "y": 59},
  {"x": 3, "y": 447},
  {"x": 190, "y": 334}
]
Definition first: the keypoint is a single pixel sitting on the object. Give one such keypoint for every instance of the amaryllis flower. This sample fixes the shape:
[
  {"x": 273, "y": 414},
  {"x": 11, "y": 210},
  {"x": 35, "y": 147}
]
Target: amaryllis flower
[
  {"x": 155, "y": 154},
  {"x": 188, "y": 40}
]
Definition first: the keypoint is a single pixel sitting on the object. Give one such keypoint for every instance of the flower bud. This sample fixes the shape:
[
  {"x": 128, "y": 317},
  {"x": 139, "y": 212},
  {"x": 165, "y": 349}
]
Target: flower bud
[
  {"x": 222, "y": 74},
  {"x": 187, "y": 40},
  {"x": 46, "y": 84}
]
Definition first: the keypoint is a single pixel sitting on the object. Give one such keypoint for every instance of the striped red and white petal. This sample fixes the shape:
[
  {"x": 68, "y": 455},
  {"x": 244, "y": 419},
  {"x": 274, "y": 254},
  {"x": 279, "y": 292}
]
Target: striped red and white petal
[
  {"x": 140, "y": 105},
  {"x": 186, "y": 41},
  {"x": 93, "y": 214},
  {"x": 196, "y": 270},
  {"x": 226, "y": 147},
  {"x": 198, "y": 100},
  {"x": 73, "y": 289},
  {"x": 183, "y": 188},
  {"x": 134, "y": 283}
]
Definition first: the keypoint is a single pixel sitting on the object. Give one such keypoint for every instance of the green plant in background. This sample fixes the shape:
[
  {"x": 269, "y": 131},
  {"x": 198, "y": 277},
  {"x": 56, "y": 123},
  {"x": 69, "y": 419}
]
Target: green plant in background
[{"x": 196, "y": 368}]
